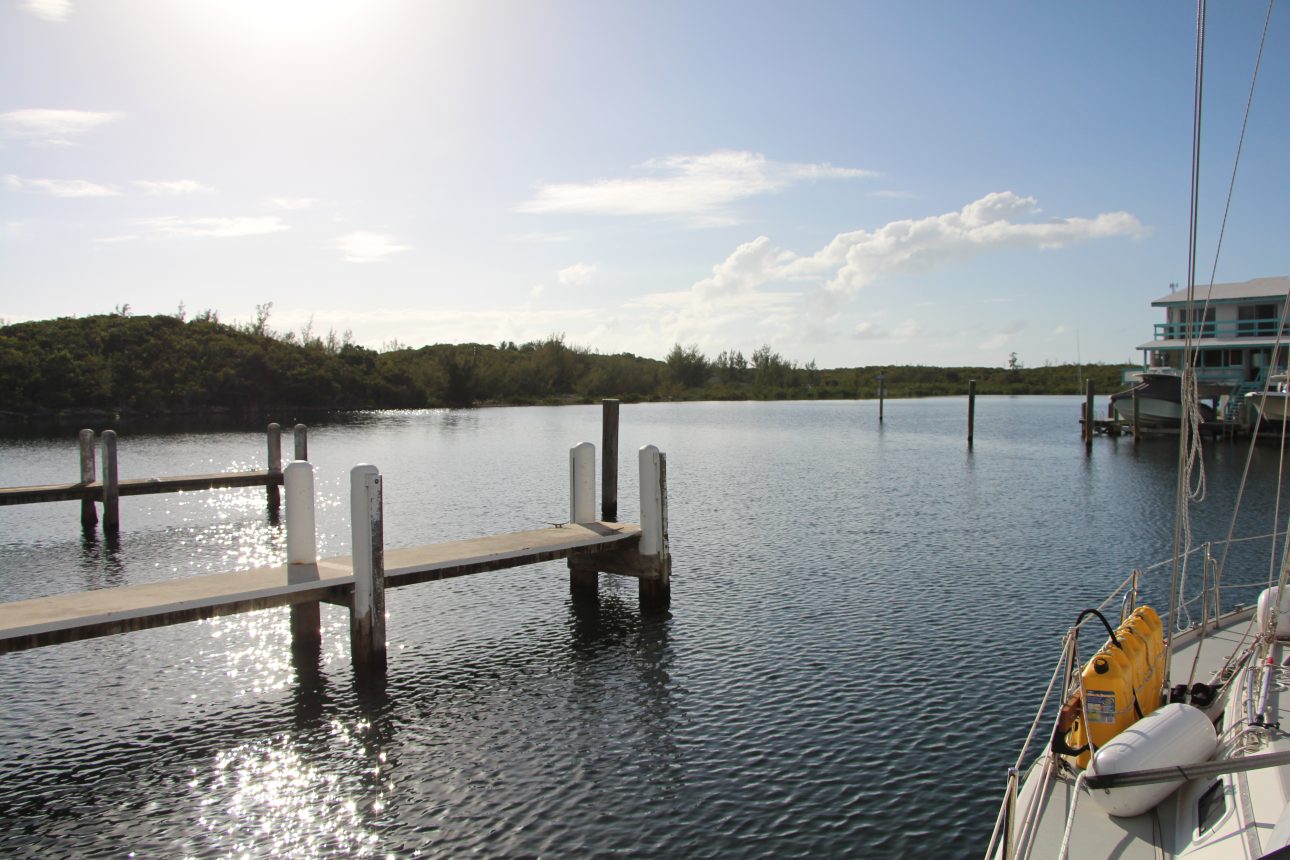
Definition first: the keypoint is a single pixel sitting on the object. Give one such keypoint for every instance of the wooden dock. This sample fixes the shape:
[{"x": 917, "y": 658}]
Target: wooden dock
[
  {"x": 591, "y": 546},
  {"x": 84, "y": 615}
]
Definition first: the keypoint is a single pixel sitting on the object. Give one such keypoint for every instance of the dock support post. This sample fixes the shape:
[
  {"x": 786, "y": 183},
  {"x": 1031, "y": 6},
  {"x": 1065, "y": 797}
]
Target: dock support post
[
  {"x": 367, "y": 530},
  {"x": 1088, "y": 415},
  {"x": 302, "y": 551},
  {"x": 301, "y": 435},
  {"x": 582, "y": 483},
  {"x": 275, "y": 465},
  {"x": 609, "y": 461},
  {"x": 881, "y": 393},
  {"x": 1135, "y": 416},
  {"x": 971, "y": 410},
  {"x": 656, "y": 591},
  {"x": 582, "y": 508},
  {"x": 111, "y": 488},
  {"x": 89, "y": 515}
]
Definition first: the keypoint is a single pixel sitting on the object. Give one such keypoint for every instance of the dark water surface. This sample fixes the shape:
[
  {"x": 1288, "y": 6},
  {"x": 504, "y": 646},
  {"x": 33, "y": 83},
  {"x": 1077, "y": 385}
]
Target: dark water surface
[{"x": 862, "y": 622}]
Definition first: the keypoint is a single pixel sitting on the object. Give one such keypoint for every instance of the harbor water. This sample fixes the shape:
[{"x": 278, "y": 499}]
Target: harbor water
[{"x": 863, "y": 618}]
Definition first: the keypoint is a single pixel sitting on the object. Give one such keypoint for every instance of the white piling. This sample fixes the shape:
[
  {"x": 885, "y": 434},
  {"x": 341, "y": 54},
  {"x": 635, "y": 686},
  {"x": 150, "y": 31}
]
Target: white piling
[
  {"x": 302, "y": 537},
  {"x": 367, "y": 611},
  {"x": 582, "y": 483},
  {"x": 652, "y": 525}
]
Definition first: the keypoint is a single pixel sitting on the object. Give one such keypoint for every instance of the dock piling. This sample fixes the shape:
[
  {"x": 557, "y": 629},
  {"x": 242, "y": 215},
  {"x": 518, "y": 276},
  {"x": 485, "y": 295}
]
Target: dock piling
[
  {"x": 302, "y": 554},
  {"x": 582, "y": 483},
  {"x": 111, "y": 487},
  {"x": 89, "y": 515},
  {"x": 609, "y": 461},
  {"x": 367, "y": 530},
  {"x": 881, "y": 393},
  {"x": 971, "y": 410},
  {"x": 655, "y": 591},
  {"x": 274, "y": 437},
  {"x": 1088, "y": 415},
  {"x": 301, "y": 437}
]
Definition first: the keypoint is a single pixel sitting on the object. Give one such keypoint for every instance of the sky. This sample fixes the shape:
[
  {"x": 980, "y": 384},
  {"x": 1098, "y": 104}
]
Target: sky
[{"x": 850, "y": 183}]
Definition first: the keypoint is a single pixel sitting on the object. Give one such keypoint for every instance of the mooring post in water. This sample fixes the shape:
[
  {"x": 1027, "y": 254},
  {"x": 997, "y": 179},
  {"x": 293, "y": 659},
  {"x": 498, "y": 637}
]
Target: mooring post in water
[
  {"x": 302, "y": 552},
  {"x": 1088, "y": 414},
  {"x": 367, "y": 531},
  {"x": 89, "y": 516},
  {"x": 971, "y": 410},
  {"x": 656, "y": 590},
  {"x": 582, "y": 506},
  {"x": 111, "y": 487},
  {"x": 582, "y": 483},
  {"x": 609, "y": 461},
  {"x": 301, "y": 434},
  {"x": 880, "y": 396},
  {"x": 1135, "y": 416},
  {"x": 274, "y": 437}
]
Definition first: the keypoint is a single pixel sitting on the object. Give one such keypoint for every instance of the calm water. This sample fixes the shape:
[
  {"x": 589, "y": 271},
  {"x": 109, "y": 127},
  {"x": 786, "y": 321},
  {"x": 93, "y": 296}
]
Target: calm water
[{"x": 862, "y": 621}]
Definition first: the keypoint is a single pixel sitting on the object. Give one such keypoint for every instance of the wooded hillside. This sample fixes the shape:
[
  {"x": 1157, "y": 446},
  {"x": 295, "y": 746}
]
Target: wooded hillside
[{"x": 168, "y": 365}]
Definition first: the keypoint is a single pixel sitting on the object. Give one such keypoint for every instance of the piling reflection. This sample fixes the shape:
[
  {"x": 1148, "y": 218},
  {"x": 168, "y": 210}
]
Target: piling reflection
[{"x": 101, "y": 559}]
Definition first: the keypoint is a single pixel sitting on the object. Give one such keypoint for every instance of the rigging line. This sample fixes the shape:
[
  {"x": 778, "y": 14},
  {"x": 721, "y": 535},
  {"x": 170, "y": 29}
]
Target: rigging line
[
  {"x": 1181, "y": 517},
  {"x": 1240, "y": 143}
]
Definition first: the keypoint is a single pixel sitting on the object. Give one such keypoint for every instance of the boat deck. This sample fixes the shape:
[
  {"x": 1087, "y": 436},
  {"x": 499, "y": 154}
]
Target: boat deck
[{"x": 1174, "y": 828}]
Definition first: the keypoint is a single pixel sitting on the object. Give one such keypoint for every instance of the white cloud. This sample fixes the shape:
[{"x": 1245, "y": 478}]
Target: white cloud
[
  {"x": 367, "y": 247},
  {"x": 577, "y": 275},
  {"x": 291, "y": 204},
  {"x": 172, "y": 186},
  {"x": 59, "y": 187},
  {"x": 50, "y": 10},
  {"x": 698, "y": 187},
  {"x": 212, "y": 227},
  {"x": 52, "y": 127},
  {"x": 537, "y": 290}
]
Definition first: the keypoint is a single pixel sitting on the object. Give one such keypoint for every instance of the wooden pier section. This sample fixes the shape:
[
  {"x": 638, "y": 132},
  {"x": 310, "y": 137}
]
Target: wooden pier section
[
  {"x": 359, "y": 580},
  {"x": 84, "y": 615}
]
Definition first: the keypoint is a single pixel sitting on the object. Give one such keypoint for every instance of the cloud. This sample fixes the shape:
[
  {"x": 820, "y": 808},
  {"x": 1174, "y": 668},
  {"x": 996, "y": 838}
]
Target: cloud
[
  {"x": 50, "y": 10},
  {"x": 996, "y": 221},
  {"x": 367, "y": 247},
  {"x": 173, "y": 186},
  {"x": 577, "y": 275},
  {"x": 697, "y": 187},
  {"x": 212, "y": 227},
  {"x": 52, "y": 127},
  {"x": 59, "y": 187},
  {"x": 291, "y": 204}
]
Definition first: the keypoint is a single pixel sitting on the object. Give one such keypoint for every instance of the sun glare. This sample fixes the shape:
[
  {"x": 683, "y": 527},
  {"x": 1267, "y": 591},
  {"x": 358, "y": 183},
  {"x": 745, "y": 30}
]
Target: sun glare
[{"x": 290, "y": 20}]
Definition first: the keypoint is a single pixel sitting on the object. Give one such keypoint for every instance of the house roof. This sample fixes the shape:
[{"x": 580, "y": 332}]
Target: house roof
[{"x": 1259, "y": 288}]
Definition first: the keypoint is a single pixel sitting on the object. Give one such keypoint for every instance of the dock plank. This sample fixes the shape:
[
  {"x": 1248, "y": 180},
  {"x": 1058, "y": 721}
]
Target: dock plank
[
  {"x": 93, "y": 490},
  {"x": 83, "y": 615}
]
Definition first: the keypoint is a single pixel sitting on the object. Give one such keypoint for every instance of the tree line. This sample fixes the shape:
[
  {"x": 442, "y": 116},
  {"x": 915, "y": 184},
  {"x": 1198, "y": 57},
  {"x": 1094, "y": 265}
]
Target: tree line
[{"x": 169, "y": 364}]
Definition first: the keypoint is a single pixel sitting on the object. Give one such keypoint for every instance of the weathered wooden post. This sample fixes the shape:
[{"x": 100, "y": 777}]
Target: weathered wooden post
[
  {"x": 301, "y": 434},
  {"x": 111, "y": 488},
  {"x": 655, "y": 591},
  {"x": 302, "y": 553},
  {"x": 275, "y": 465},
  {"x": 971, "y": 410},
  {"x": 1136, "y": 413},
  {"x": 1088, "y": 415},
  {"x": 89, "y": 515},
  {"x": 367, "y": 530},
  {"x": 609, "y": 461},
  {"x": 881, "y": 380}
]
